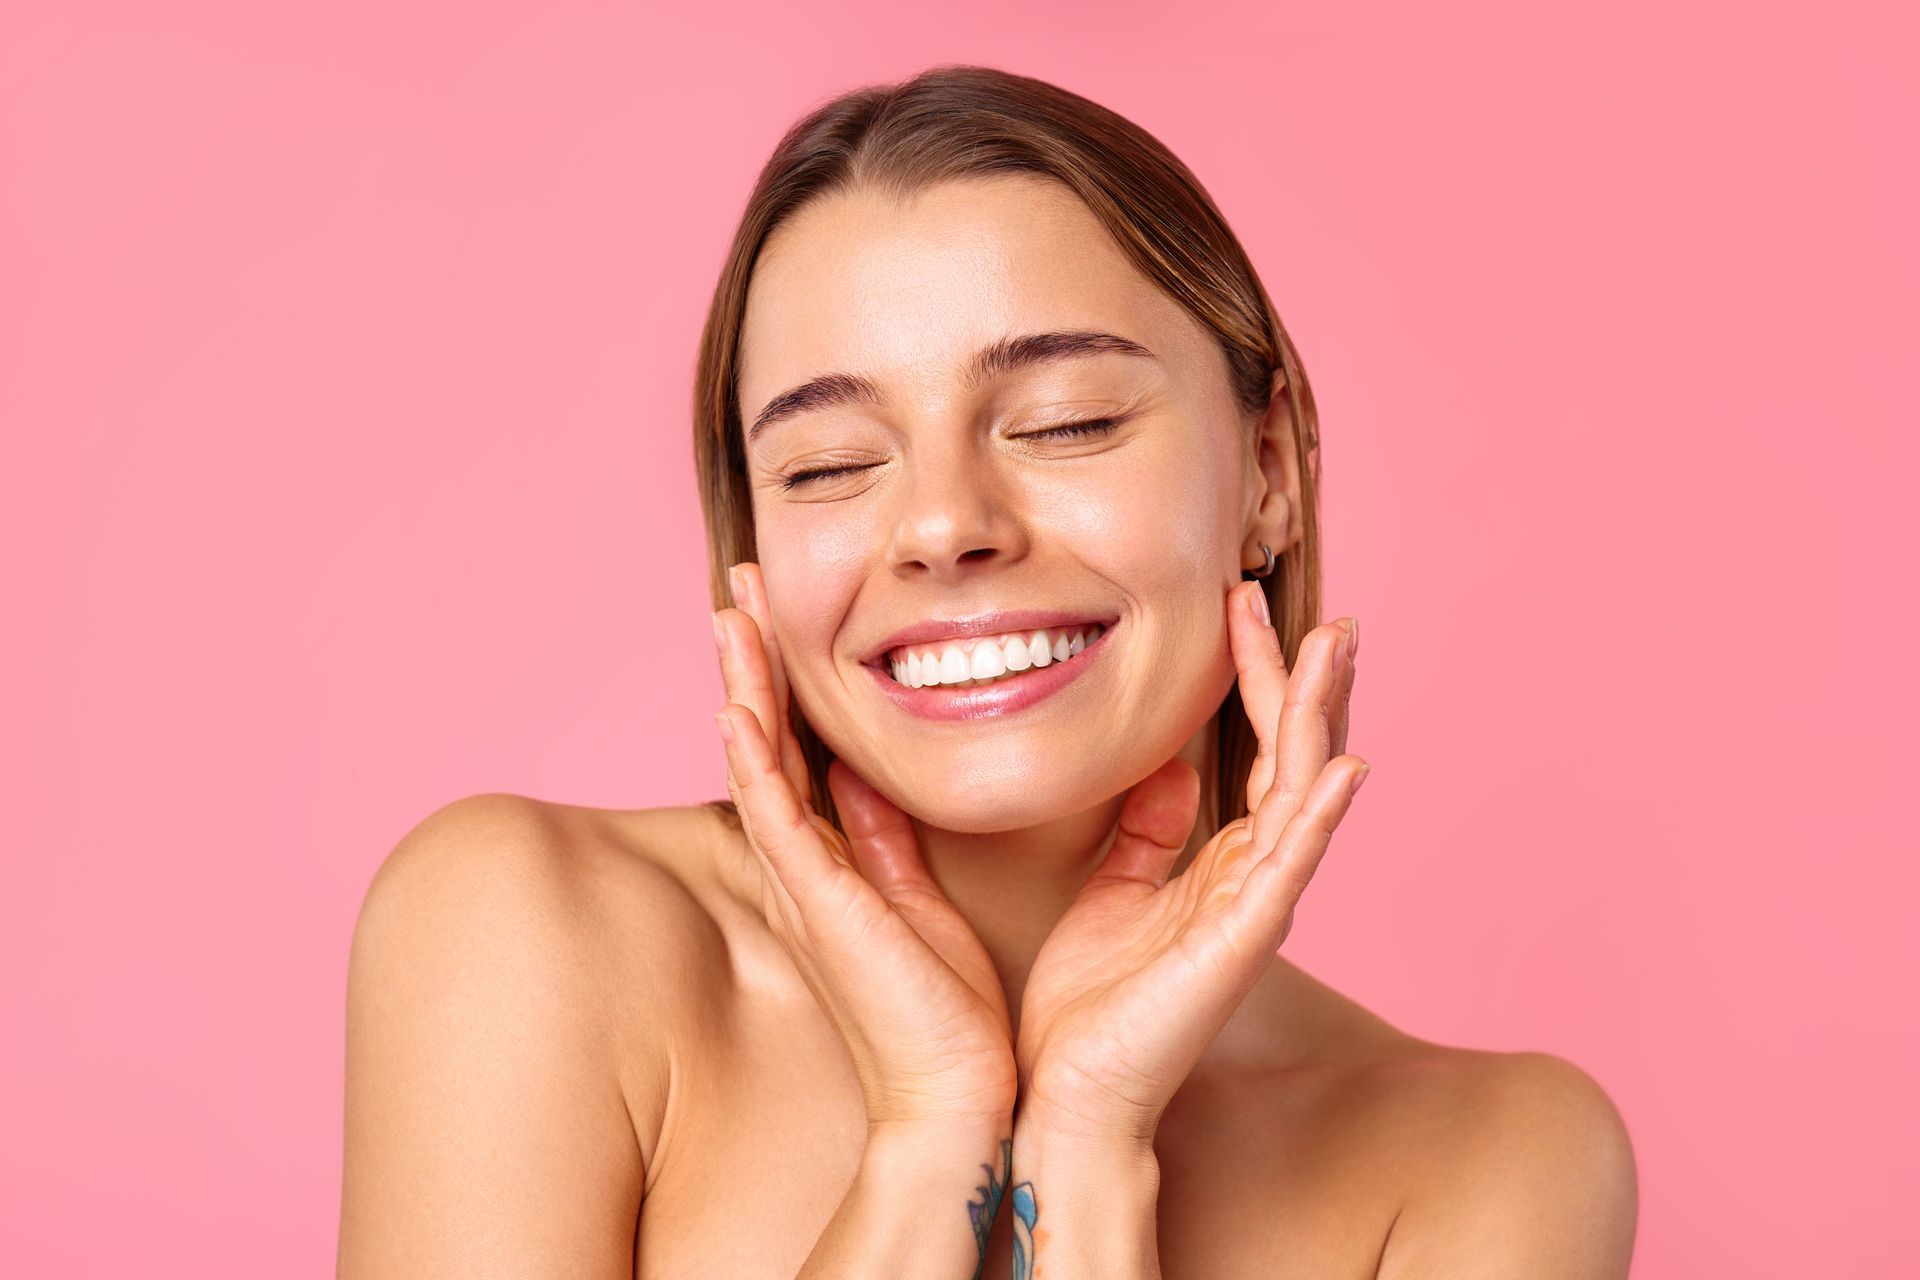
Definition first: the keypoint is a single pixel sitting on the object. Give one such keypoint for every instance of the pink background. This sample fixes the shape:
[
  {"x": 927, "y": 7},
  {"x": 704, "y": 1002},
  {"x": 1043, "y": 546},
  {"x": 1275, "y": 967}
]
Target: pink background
[{"x": 345, "y": 364}]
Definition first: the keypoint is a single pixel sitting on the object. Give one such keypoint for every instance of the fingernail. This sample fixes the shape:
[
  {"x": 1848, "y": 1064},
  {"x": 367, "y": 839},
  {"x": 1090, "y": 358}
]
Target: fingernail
[
  {"x": 726, "y": 726},
  {"x": 719, "y": 634},
  {"x": 1351, "y": 641},
  {"x": 1257, "y": 602},
  {"x": 1359, "y": 778},
  {"x": 734, "y": 583},
  {"x": 1354, "y": 651}
]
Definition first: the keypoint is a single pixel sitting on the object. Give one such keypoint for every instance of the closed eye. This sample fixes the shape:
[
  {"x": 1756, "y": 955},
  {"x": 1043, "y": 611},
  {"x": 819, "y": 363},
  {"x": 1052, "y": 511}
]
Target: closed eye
[
  {"x": 1066, "y": 430},
  {"x": 799, "y": 478},
  {"x": 1088, "y": 427}
]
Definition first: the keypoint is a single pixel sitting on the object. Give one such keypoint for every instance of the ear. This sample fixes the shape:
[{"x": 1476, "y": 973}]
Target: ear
[{"x": 1273, "y": 480}]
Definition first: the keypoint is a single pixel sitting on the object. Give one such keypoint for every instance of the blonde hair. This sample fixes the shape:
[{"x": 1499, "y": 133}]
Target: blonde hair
[{"x": 956, "y": 121}]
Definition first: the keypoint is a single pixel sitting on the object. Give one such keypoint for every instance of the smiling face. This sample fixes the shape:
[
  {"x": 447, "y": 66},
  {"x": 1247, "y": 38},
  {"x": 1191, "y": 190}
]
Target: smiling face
[{"x": 937, "y": 500}]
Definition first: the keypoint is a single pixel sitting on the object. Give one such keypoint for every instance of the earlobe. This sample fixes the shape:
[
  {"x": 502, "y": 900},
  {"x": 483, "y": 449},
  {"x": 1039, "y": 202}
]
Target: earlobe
[{"x": 1274, "y": 477}]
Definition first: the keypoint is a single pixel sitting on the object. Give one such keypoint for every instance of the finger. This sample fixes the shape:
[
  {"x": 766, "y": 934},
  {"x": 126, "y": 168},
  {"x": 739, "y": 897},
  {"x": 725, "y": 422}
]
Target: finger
[
  {"x": 744, "y": 670},
  {"x": 884, "y": 845},
  {"x": 1304, "y": 741},
  {"x": 1261, "y": 914},
  {"x": 791, "y": 849},
  {"x": 1155, "y": 820},
  {"x": 1262, "y": 671},
  {"x": 1339, "y": 714},
  {"x": 750, "y": 593},
  {"x": 770, "y": 878}
]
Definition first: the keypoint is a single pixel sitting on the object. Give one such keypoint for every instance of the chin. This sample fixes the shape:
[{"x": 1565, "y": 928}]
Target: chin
[
  {"x": 984, "y": 807},
  {"x": 973, "y": 817}
]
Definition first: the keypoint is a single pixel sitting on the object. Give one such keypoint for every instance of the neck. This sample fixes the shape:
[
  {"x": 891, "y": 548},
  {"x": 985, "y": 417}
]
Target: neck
[{"x": 1013, "y": 886}]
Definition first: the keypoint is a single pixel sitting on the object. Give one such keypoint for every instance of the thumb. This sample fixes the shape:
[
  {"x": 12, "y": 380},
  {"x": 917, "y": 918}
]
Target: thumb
[
  {"x": 1155, "y": 820},
  {"x": 879, "y": 834}
]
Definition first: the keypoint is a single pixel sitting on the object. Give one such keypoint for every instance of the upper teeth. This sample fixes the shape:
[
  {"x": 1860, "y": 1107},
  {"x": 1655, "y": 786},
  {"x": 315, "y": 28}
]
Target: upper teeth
[{"x": 985, "y": 658}]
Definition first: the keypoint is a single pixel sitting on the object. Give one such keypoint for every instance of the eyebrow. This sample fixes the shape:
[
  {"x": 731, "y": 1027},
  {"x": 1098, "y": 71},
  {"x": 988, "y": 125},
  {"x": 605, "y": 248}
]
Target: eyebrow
[{"x": 992, "y": 361}]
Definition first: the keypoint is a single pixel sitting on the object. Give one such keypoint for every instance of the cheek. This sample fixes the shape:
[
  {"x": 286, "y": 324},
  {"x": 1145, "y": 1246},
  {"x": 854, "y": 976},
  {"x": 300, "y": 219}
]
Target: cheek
[
  {"x": 813, "y": 568},
  {"x": 1163, "y": 523},
  {"x": 1166, "y": 531}
]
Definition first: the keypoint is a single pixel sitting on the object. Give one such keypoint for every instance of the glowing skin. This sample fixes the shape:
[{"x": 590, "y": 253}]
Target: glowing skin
[{"x": 1148, "y": 524}]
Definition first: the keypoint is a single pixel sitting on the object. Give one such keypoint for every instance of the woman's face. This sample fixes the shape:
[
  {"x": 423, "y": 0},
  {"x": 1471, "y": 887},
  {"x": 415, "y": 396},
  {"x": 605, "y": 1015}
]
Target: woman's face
[{"x": 948, "y": 505}]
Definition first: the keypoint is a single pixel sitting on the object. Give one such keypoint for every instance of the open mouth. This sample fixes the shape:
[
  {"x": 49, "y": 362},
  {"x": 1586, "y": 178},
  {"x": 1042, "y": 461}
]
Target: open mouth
[
  {"x": 988, "y": 675},
  {"x": 985, "y": 660}
]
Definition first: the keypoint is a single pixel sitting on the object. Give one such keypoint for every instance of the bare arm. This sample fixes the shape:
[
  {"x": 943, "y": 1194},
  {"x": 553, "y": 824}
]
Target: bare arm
[
  {"x": 1085, "y": 1204},
  {"x": 921, "y": 1206},
  {"x": 486, "y": 1132}
]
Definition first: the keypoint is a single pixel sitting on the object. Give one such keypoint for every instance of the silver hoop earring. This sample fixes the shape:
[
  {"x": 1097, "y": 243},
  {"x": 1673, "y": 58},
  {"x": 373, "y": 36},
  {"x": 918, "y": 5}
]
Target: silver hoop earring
[{"x": 1264, "y": 569}]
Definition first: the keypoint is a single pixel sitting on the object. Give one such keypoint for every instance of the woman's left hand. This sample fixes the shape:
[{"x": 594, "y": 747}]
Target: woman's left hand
[{"x": 1142, "y": 972}]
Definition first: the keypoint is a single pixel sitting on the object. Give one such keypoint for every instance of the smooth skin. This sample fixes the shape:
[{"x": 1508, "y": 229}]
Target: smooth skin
[
  {"x": 897, "y": 968},
  {"x": 1140, "y": 974},
  {"x": 605, "y": 1043}
]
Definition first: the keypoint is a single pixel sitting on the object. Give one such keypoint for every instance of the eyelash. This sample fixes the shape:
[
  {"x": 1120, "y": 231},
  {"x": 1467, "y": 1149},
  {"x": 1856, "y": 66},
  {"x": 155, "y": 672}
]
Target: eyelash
[{"x": 1085, "y": 427}]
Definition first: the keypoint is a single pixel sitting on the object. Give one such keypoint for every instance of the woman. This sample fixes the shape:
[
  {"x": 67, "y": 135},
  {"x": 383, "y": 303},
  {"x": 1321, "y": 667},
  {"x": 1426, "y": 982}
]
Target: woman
[{"x": 1009, "y": 471}]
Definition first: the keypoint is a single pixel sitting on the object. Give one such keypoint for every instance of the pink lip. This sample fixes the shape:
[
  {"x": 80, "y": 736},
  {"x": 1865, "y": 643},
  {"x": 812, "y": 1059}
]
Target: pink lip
[{"x": 1002, "y": 697}]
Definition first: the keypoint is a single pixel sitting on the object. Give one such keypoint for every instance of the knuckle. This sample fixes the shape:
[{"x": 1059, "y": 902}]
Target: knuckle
[
  {"x": 1297, "y": 878},
  {"x": 1303, "y": 700}
]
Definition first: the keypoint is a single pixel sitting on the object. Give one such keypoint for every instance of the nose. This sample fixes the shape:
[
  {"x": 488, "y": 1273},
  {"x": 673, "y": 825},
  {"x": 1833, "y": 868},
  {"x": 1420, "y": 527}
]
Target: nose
[{"x": 957, "y": 515}]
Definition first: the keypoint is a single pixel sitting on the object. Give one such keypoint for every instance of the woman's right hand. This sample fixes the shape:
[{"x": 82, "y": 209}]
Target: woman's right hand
[{"x": 893, "y": 964}]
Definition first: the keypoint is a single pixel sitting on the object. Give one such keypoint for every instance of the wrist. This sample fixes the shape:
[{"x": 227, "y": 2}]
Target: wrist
[
  {"x": 964, "y": 1138},
  {"x": 1065, "y": 1129},
  {"x": 1088, "y": 1196},
  {"x": 915, "y": 1205}
]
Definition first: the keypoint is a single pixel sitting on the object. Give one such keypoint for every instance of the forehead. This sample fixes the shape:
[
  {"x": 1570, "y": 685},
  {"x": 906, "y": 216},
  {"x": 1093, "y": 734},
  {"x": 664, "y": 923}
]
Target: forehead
[{"x": 906, "y": 292}]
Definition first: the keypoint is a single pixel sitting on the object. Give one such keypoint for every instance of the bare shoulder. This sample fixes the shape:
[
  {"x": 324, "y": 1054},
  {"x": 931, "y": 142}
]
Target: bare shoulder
[
  {"x": 518, "y": 972},
  {"x": 610, "y": 901},
  {"x": 1386, "y": 1154},
  {"x": 1520, "y": 1165}
]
